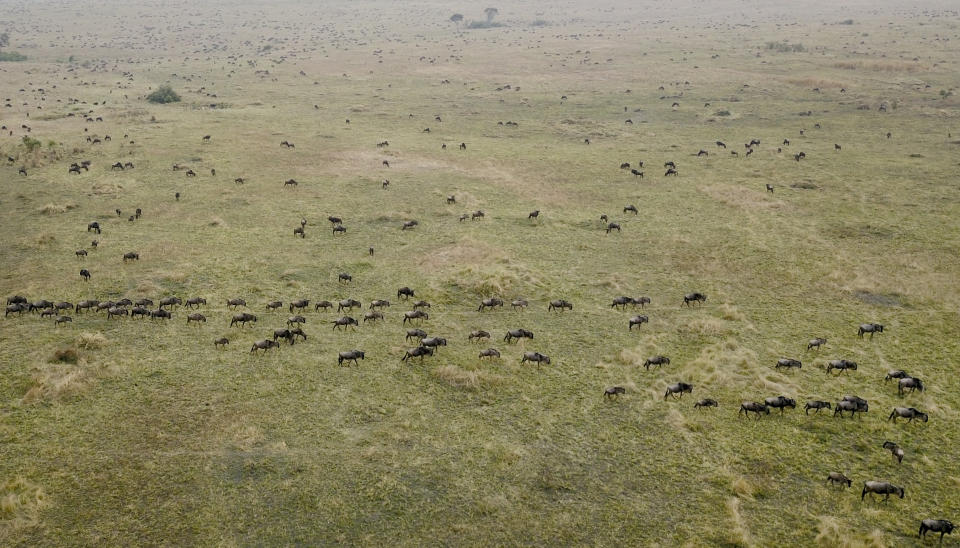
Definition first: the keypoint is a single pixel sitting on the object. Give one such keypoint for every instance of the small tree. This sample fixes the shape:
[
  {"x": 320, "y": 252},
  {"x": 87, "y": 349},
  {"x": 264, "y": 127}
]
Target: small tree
[
  {"x": 491, "y": 13},
  {"x": 456, "y": 18},
  {"x": 164, "y": 94}
]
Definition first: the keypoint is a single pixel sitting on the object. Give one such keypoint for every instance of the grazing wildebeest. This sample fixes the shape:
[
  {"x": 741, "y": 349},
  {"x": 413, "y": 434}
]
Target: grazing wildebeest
[
  {"x": 780, "y": 402},
  {"x": 415, "y": 315},
  {"x": 702, "y": 153},
  {"x": 339, "y": 229},
  {"x": 351, "y": 355},
  {"x": 372, "y": 316},
  {"x": 335, "y": 220},
  {"x": 206, "y": 138},
  {"x": 242, "y": 319},
  {"x": 221, "y": 342},
  {"x": 678, "y": 388},
  {"x": 621, "y": 301},
  {"x": 239, "y": 180},
  {"x": 614, "y": 392},
  {"x": 118, "y": 165},
  {"x": 418, "y": 352},
  {"x": 433, "y": 342},
  {"x": 656, "y": 360},
  {"x": 941, "y": 526},
  {"x": 190, "y": 173},
  {"x": 632, "y": 208},
  {"x": 379, "y": 303},
  {"x": 405, "y": 292},
  {"x": 463, "y": 146},
  {"x": 535, "y": 214},
  {"x": 836, "y": 147},
  {"x": 559, "y": 304},
  {"x": 196, "y": 301},
  {"x": 161, "y": 313},
  {"x": 519, "y": 303},
  {"x": 264, "y": 345},
  {"x": 489, "y": 353},
  {"x": 290, "y": 182},
  {"x": 748, "y": 407},
  {"x": 816, "y": 405},
  {"x": 94, "y": 226},
  {"x": 299, "y": 304},
  {"x": 385, "y": 163},
  {"x": 908, "y": 413},
  {"x": 671, "y": 171},
  {"x": 409, "y": 224},
  {"x": 911, "y": 383},
  {"x": 15, "y": 307},
  {"x": 880, "y": 488},
  {"x": 841, "y": 365},
  {"x": 62, "y": 320},
  {"x": 170, "y": 301},
  {"x": 895, "y": 450},
  {"x": 85, "y": 274},
  {"x": 478, "y": 214},
  {"x": 637, "y": 173},
  {"x": 853, "y": 406},
  {"x": 325, "y": 305},
  {"x": 816, "y": 343},
  {"x": 839, "y": 478},
  {"x": 295, "y": 320},
  {"x": 451, "y": 199},
  {"x": 695, "y": 297},
  {"x": 721, "y": 144},
  {"x": 896, "y": 374},
  {"x": 297, "y": 332},
  {"x": 637, "y": 321},
  {"x": 233, "y": 303},
  {"x": 769, "y": 188},
  {"x": 283, "y": 334},
  {"x": 344, "y": 322},
  {"x": 421, "y": 304},
  {"x": 22, "y": 171},
  {"x": 613, "y": 226},
  {"x": 299, "y": 232},
  {"x": 869, "y": 328},
  {"x": 81, "y": 253},
  {"x": 415, "y": 334},
  {"x": 196, "y": 317},
  {"x": 349, "y": 304},
  {"x": 477, "y": 335},
  {"x": 788, "y": 363},
  {"x": 490, "y": 303},
  {"x": 517, "y": 334},
  {"x": 535, "y": 357},
  {"x": 706, "y": 402}
]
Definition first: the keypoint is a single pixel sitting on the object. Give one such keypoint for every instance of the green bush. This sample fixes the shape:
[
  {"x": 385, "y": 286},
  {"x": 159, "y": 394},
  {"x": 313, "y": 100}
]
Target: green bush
[
  {"x": 12, "y": 56},
  {"x": 31, "y": 144},
  {"x": 164, "y": 94}
]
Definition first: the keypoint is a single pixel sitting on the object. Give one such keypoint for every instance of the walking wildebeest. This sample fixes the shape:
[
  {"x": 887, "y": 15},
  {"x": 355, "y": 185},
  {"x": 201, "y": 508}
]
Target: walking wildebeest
[
  {"x": 838, "y": 478},
  {"x": 841, "y": 365},
  {"x": 283, "y": 334},
  {"x": 405, "y": 292},
  {"x": 519, "y": 303},
  {"x": 780, "y": 402},
  {"x": 339, "y": 229},
  {"x": 817, "y": 405},
  {"x": 379, "y": 303},
  {"x": 621, "y": 301},
  {"x": 517, "y": 334},
  {"x": 816, "y": 343},
  {"x": 489, "y": 353},
  {"x": 233, "y": 303},
  {"x": 614, "y": 392},
  {"x": 264, "y": 345},
  {"x": 941, "y": 526},
  {"x": 637, "y": 321},
  {"x": 81, "y": 253},
  {"x": 415, "y": 334},
  {"x": 433, "y": 342},
  {"x": 85, "y": 274},
  {"x": 196, "y": 301},
  {"x": 421, "y": 304},
  {"x": 632, "y": 208},
  {"x": 695, "y": 297},
  {"x": 296, "y": 320},
  {"x": 853, "y": 406},
  {"x": 896, "y": 374},
  {"x": 170, "y": 301},
  {"x": 221, "y": 342},
  {"x": 788, "y": 363},
  {"x": 560, "y": 305},
  {"x": 869, "y": 328},
  {"x": 535, "y": 357},
  {"x": 880, "y": 488},
  {"x": 908, "y": 413},
  {"x": 161, "y": 313},
  {"x": 490, "y": 303},
  {"x": 637, "y": 173},
  {"x": 351, "y": 355},
  {"x": 94, "y": 226},
  {"x": 706, "y": 402},
  {"x": 62, "y": 320},
  {"x": 372, "y": 316},
  {"x": 196, "y": 317},
  {"x": 325, "y": 305},
  {"x": 418, "y": 352},
  {"x": 299, "y": 304},
  {"x": 242, "y": 319},
  {"x": 534, "y": 214},
  {"x": 748, "y": 407},
  {"x": 656, "y": 360},
  {"x": 678, "y": 388},
  {"x": 349, "y": 304},
  {"x": 345, "y": 322},
  {"x": 477, "y": 335},
  {"x": 895, "y": 450}
]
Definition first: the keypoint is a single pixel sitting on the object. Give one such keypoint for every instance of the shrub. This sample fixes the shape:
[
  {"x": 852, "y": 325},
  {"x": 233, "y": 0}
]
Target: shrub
[
  {"x": 483, "y": 25},
  {"x": 12, "y": 56},
  {"x": 163, "y": 95},
  {"x": 31, "y": 144},
  {"x": 785, "y": 47}
]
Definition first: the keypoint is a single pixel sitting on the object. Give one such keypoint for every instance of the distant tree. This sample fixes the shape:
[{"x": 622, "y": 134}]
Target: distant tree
[
  {"x": 4, "y": 39},
  {"x": 163, "y": 94},
  {"x": 457, "y": 18},
  {"x": 491, "y": 13}
]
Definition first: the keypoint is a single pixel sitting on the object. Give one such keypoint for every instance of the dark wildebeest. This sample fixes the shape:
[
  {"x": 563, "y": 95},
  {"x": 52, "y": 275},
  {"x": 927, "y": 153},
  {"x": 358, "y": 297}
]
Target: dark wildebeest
[
  {"x": 274, "y": 305},
  {"x": 415, "y": 315},
  {"x": 335, "y": 220},
  {"x": 839, "y": 478},
  {"x": 721, "y": 144},
  {"x": 816, "y": 405},
  {"x": 372, "y": 316},
  {"x": 290, "y": 182},
  {"x": 170, "y": 301},
  {"x": 656, "y": 360},
  {"x": 421, "y": 304},
  {"x": 83, "y": 305},
  {"x": 221, "y": 342},
  {"x": 880, "y": 488},
  {"x": 941, "y": 526},
  {"x": 161, "y": 313},
  {"x": 641, "y": 301},
  {"x": 478, "y": 214},
  {"x": 433, "y": 342},
  {"x": 451, "y": 199},
  {"x": 706, "y": 402},
  {"x": 517, "y": 334},
  {"x": 196, "y": 317},
  {"x": 637, "y": 321},
  {"x": 748, "y": 407},
  {"x": 869, "y": 328},
  {"x": 339, "y": 229},
  {"x": 477, "y": 335},
  {"x": 463, "y": 146},
  {"x": 489, "y": 353},
  {"x": 299, "y": 304},
  {"x": 409, "y": 224},
  {"x": 345, "y": 322},
  {"x": 911, "y": 383},
  {"x": 63, "y": 305},
  {"x": 405, "y": 292},
  {"x": 695, "y": 297},
  {"x": 62, "y": 320},
  {"x": 299, "y": 232},
  {"x": 264, "y": 345},
  {"x": 196, "y": 301},
  {"x": 908, "y": 413},
  {"x": 631, "y": 208},
  {"x": 780, "y": 402},
  {"x": 671, "y": 171},
  {"x": 836, "y": 147},
  {"x": 769, "y": 188},
  {"x": 621, "y": 301},
  {"x": 85, "y": 274},
  {"x": 788, "y": 363},
  {"x": 190, "y": 173},
  {"x": 896, "y": 374},
  {"x": 81, "y": 253},
  {"x": 242, "y": 319},
  {"x": 325, "y": 305},
  {"x": 702, "y": 153},
  {"x": 349, "y": 356},
  {"x": 559, "y": 304},
  {"x": 895, "y": 450},
  {"x": 296, "y": 320},
  {"x": 349, "y": 304},
  {"x": 94, "y": 226},
  {"x": 853, "y": 406},
  {"x": 415, "y": 334},
  {"x": 816, "y": 343},
  {"x": 490, "y": 303},
  {"x": 519, "y": 303},
  {"x": 678, "y": 388},
  {"x": 233, "y": 303},
  {"x": 613, "y": 226},
  {"x": 614, "y": 392},
  {"x": 418, "y": 352},
  {"x": 637, "y": 173},
  {"x": 535, "y": 357},
  {"x": 144, "y": 302},
  {"x": 534, "y": 214},
  {"x": 283, "y": 334},
  {"x": 841, "y": 365},
  {"x": 379, "y": 303}
]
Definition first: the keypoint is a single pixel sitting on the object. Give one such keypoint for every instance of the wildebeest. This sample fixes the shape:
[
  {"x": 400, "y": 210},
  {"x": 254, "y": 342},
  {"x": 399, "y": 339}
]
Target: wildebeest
[
  {"x": 841, "y": 365},
  {"x": 85, "y": 274},
  {"x": 161, "y": 313},
  {"x": 896, "y": 374},
  {"x": 242, "y": 319},
  {"x": 519, "y": 303},
  {"x": 264, "y": 345},
  {"x": 881, "y": 488},
  {"x": 290, "y": 182},
  {"x": 490, "y": 303},
  {"x": 451, "y": 199},
  {"x": 299, "y": 231},
  {"x": 349, "y": 304},
  {"x": 854, "y": 406},
  {"x": 637, "y": 321},
  {"x": 478, "y": 214},
  {"x": 706, "y": 402},
  {"x": 613, "y": 226},
  {"x": 322, "y": 304},
  {"x": 621, "y": 301},
  {"x": 409, "y": 224},
  {"x": 351, "y": 355},
  {"x": 695, "y": 297},
  {"x": 869, "y": 328},
  {"x": 517, "y": 334},
  {"x": 299, "y": 304},
  {"x": 911, "y": 383},
  {"x": 535, "y": 357},
  {"x": 296, "y": 320},
  {"x": 339, "y": 229},
  {"x": 534, "y": 214},
  {"x": 671, "y": 171},
  {"x": 344, "y": 322},
  {"x": 63, "y": 305},
  {"x": 788, "y": 363},
  {"x": 721, "y": 144},
  {"x": 283, "y": 334},
  {"x": 781, "y": 403},
  {"x": 83, "y": 305},
  {"x": 895, "y": 450},
  {"x": 433, "y": 342},
  {"x": 816, "y": 405},
  {"x": 478, "y": 334},
  {"x": 415, "y": 315},
  {"x": 614, "y": 392},
  {"x": 221, "y": 342},
  {"x": 415, "y": 334},
  {"x": 678, "y": 388},
  {"x": 631, "y": 208},
  {"x": 196, "y": 317},
  {"x": 139, "y": 311},
  {"x": 838, "y": 478},
  {"x": 233, "y": 303},
  {"x": 190, "y": 173},
  {"x": 748, "y": 407},
  {"x": 274, "y": 305},
  {"x": 170, "y": 301},
  {"x": 62, "y": 320},
  {"x": 769, "y": 188},
  {"x": 418, "y": 352},
  {"x": 372, "y": 316},
  {"x": 421, "y": 304},
  {"x": 559, "y": 304},
  {"x": 489, "y": 353},
  {"x": 656, "y": 360},
  {"x": 816, "y": 343},
  {"x": 908, "y": 413},
  {"x": 144, "y": 302},
  {"x": 94, "y": 226},
  {"x": 405, "y": 292},
  {"x": 335, "y": 220},
  {"x": 379, "y": 303},
  {"x": 702, "y": 153},
  {"x": 81, "y": 253},
  {"x": 941, "y": 526},
  {"x": 196, "y": 301},
  {"x": 637, "y": 173}
]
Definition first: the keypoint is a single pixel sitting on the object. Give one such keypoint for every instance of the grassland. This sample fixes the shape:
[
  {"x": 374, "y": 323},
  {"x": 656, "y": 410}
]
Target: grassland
[{"x": 154, "y": 437}]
